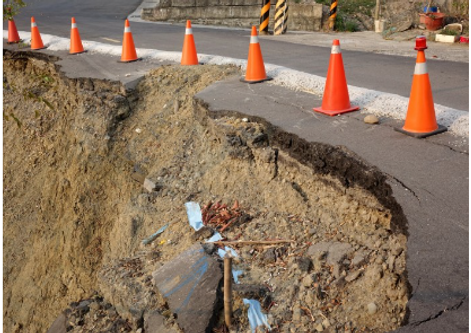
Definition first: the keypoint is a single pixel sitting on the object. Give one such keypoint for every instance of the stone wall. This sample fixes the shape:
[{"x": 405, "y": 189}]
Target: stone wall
[{"x": 233, "y": 13}]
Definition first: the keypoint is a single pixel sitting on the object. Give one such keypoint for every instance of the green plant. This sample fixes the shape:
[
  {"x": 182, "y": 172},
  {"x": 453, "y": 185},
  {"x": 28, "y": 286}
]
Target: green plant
[
  {"x": 43, "y": 80},
  {"x": 462, "y": 6},
  {"x": 450, "y": 32},
  {"x": 342, "y": 23},
  {"x": 351, "y": 26},
  {"x": 13, "y": 117},
  {"x": 352, "y": 6},
  {"x": 347, "y": 10},
  {"x": 11, "y": 8}
]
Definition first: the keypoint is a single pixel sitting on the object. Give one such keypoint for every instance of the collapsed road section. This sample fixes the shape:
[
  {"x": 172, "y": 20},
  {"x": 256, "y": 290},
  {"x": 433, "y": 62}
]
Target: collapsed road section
[{"x": 92, "y": 169}]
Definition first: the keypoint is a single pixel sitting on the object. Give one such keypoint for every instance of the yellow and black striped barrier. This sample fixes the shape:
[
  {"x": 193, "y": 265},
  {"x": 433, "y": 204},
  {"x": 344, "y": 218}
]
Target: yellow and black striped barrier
[
  {"x": 332, "y": 14},
  {"x": 264, "y": 17},
  {"x": 281, "y": 17}
]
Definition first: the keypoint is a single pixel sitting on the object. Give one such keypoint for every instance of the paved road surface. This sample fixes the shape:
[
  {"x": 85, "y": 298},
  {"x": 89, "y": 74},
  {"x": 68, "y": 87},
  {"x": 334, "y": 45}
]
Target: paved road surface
[{"x": 103, "y": 21}]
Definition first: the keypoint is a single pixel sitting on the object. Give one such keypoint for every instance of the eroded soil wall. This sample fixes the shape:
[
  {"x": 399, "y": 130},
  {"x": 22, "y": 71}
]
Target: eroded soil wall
[{"x": 76, "y": 152}]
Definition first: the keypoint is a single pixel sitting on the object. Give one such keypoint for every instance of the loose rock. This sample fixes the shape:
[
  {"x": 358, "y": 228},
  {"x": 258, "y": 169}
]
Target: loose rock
[
  {"x": 371, "y": 119},
  {"x": 372, "y": 308}
]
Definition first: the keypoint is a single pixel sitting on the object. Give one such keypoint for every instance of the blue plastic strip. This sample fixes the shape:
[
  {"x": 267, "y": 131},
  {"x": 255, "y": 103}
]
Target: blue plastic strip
[
  {"x": 215, "y": 237},
  {"x": 256, "y": 316},
  {"x": 151, "y": 238},
  {"x": 195, "y": 218},
  {"x": 232, "y": 252},
  {"x": 235, "y": 275}
]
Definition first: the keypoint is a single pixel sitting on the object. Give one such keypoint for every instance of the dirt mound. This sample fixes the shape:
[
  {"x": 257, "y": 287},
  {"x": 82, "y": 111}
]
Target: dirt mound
[{"x": 76, "y": 211}]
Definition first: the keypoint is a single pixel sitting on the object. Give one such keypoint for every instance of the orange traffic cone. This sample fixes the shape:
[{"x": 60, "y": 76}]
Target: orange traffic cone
[
  {"x": 336, "y": 100},
  {"x": 13, "y": 36},
  {"x": 255, "y": 67},
  {"x": 420, "y": 119},
  {"x": 36, "y": 41},
  {"x": 189, "y": 55},
  {"x": 128, "y": 53},
  {"x": 75, "y": 41}
]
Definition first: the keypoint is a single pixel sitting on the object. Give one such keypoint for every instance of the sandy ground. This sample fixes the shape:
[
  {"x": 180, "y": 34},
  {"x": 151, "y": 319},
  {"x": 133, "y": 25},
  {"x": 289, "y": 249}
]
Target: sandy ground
[{"x": 73, "y": 194}]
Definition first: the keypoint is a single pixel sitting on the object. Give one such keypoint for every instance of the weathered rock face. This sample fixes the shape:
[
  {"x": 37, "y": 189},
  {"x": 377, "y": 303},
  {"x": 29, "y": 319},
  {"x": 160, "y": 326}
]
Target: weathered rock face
[
  {"x": 190, "y": 284},
  {"x": 235, "y": 13}
]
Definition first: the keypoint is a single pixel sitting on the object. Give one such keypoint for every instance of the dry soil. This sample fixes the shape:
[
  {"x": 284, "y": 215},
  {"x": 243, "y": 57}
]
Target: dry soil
[{"x": 77, "y": 153}]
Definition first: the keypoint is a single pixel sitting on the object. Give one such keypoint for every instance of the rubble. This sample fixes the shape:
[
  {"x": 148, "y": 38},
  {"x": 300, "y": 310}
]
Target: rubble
[{"x": 315, "y": 226}]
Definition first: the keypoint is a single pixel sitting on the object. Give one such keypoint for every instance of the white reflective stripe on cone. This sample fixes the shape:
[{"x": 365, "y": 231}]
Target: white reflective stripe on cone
[
  {"x": 253, "y": 39},
  {"x": 335, "y": 49},
  {"x": 420, "y": 68},
  {"x": 33, "y": 24},
  {"x": 188, "y": 31},
  {"x": 127, "y": 29},
  {"x": 74, "y": 25}
]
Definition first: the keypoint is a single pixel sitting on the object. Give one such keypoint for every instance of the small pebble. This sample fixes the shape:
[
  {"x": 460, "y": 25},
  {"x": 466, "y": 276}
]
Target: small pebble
[
  {"x": 307, "y": 281},
  {"x": 138, "y": 130},
  {"x": 326, "y": 323},
  {"x": 297, "y": 313},
  {"x": 371, "y": 119},
  {"x": 372, "y": 308},
  {"x": 245, "y": 120}
]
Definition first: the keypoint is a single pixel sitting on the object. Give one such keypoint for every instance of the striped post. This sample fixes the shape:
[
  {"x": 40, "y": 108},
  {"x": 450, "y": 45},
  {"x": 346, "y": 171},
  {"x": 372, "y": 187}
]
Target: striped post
[
  {"x": 332, "y": 14},
  {"x": 264, "y": 17},
  {"x": 281, "y": 17}
]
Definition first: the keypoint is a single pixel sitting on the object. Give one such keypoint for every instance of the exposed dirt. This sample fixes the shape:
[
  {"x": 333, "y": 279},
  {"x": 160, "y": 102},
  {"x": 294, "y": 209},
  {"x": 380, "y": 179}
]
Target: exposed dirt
[{"x": 76, "y": 211}]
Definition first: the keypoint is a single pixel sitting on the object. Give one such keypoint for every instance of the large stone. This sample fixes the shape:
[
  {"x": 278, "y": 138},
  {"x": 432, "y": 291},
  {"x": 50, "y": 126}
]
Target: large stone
[
  {"x": 155, "y": 322},
  {"x": 190, "y": 283},
  {"x": 59, "y": 325}
]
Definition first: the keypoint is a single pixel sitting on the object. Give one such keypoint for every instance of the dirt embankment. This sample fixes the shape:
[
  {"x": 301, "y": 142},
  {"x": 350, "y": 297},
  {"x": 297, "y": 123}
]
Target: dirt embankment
[{"x": 75, "y": 207}]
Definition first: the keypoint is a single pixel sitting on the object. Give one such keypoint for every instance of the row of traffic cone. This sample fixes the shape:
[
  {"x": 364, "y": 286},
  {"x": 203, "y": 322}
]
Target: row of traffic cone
[
  {"x": 128, "y": 54},
  {"x": 36, "y": 40},
  {"x": 420, "y": 119}
]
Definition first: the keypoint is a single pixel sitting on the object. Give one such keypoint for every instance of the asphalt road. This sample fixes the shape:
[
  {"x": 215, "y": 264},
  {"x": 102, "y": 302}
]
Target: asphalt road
[
  {"x": 429, "y": 177},
  {"x": 103, "y": 21}
]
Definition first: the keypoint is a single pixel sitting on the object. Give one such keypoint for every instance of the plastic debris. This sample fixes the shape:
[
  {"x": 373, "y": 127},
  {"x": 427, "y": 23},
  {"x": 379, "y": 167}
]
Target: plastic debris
[
  {"x": 214, "y": 238},
  {"x": 195, "y": 218},
  {"x": 256, "y": 316},
  {"x": 154, "y": 236},
  {"x": 232, "y": 252},
  {"x": 236, "y": 274}
]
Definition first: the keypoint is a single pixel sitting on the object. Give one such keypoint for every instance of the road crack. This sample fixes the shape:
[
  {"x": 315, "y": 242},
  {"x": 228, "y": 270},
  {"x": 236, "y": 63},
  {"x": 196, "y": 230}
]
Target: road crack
[
  {"x": 403, "y": 185},
  {"x": 437, "y": 315}
]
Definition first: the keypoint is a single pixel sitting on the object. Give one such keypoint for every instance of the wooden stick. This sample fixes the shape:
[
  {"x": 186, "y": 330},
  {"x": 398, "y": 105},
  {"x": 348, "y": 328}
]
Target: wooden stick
[
  {"x": 252, "y": 242},
  {"x": 228, "y": 290}
]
